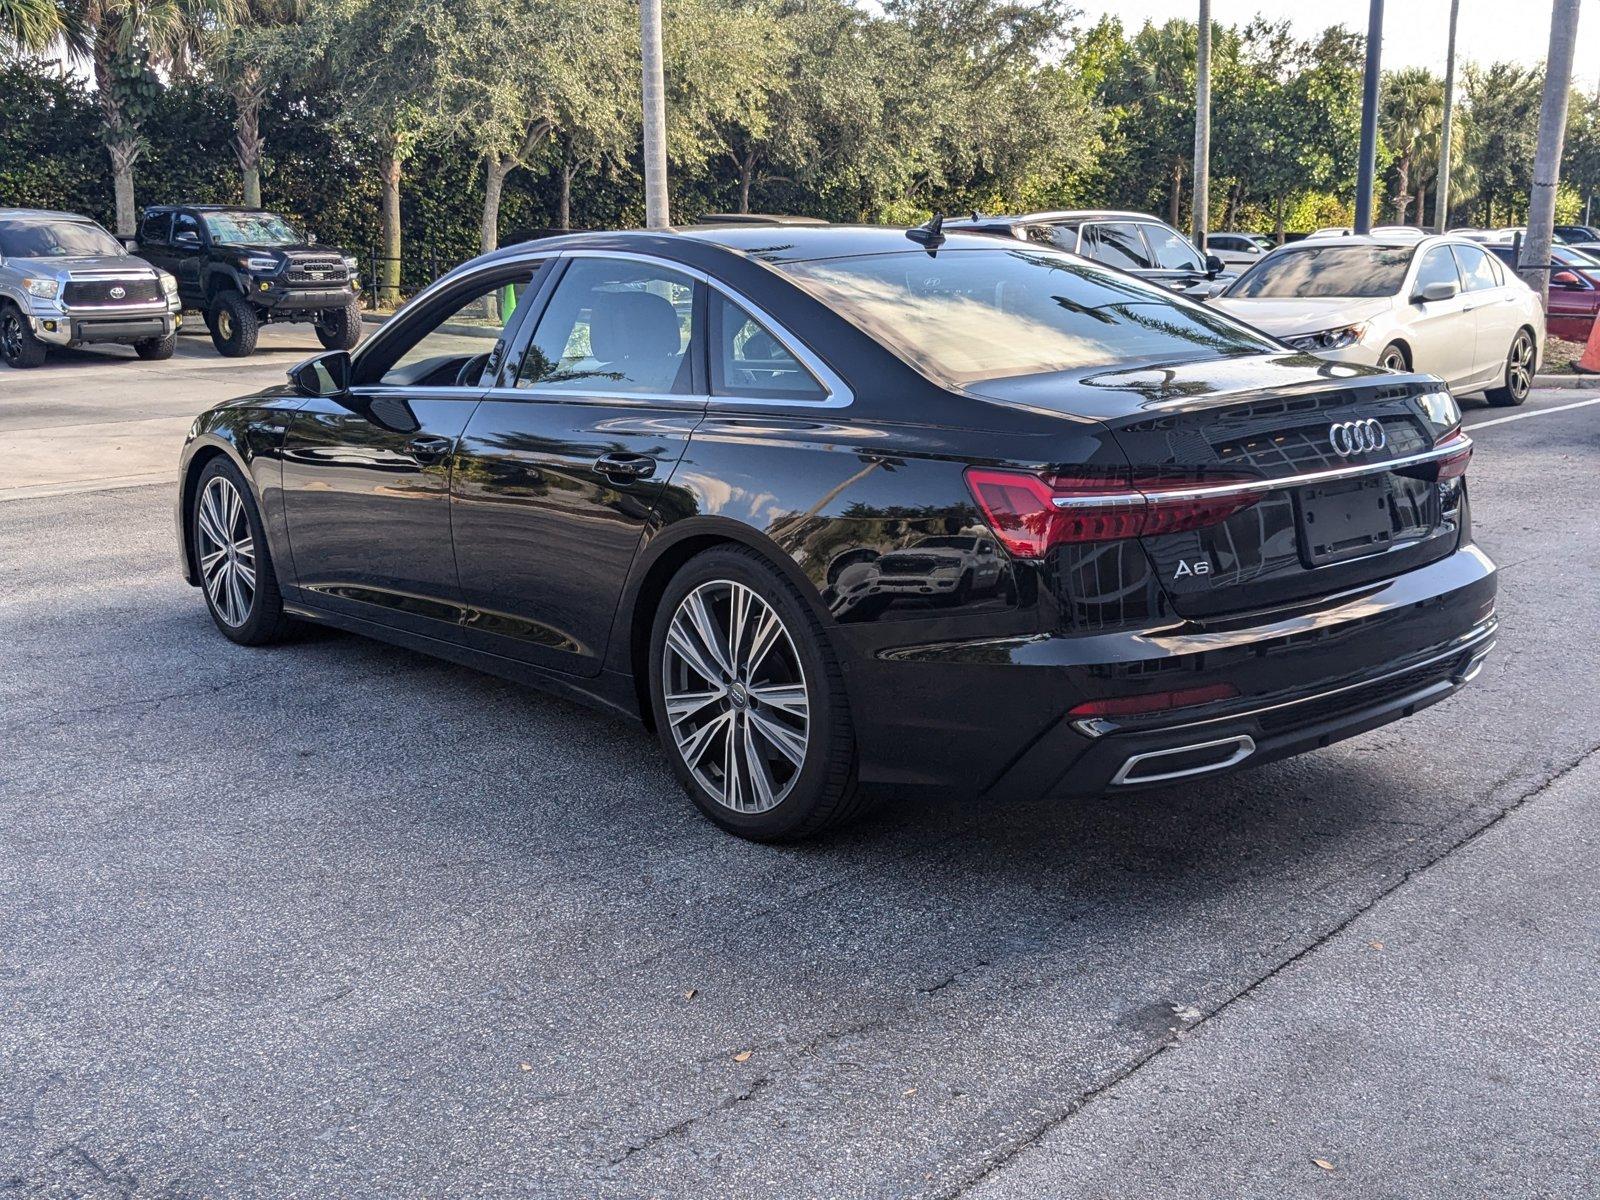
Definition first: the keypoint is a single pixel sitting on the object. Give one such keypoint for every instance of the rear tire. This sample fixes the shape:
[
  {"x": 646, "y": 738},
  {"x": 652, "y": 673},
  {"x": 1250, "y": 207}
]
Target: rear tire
[
  {"x": 232, "y": 558},
  {"x": 1518, "y": 377},
  {"x": 775, "y": 690},
  {"x": 340, "y": 328},
  {"x": 157, "y": 349},
  {"x": 234, "y": 325},
  {"x": 20, "y": 349}
]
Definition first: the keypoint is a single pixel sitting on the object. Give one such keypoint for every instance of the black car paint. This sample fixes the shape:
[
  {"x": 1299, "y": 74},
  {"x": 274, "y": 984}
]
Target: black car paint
[{"x": 972, "y": 694}]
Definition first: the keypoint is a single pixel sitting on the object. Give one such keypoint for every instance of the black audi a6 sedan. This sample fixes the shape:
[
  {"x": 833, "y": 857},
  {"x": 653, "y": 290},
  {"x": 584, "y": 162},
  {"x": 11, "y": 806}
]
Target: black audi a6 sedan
[{"x": 833, "y": 508}]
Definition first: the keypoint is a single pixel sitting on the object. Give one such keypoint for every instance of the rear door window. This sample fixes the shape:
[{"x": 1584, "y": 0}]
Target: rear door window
[{"x": 748, "y": 359}]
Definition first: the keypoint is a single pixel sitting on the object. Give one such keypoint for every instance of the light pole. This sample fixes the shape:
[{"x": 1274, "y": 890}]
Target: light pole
[
  {"x": 655, "y": 115},
  {"x": 1547, "y": 158},
  {"x": 1441, "y": 198},
  {"x": 1369, "y": 119},
  {"x": 1202, "y": 129}
]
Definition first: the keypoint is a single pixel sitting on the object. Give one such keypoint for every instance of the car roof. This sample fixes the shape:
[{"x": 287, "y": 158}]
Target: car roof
[
  {"x": 768, "y": 243},
  {"x": 43, "y": 214},
  {"x": 1071, "y": 216},
  {"x": 239, "y": 208}
]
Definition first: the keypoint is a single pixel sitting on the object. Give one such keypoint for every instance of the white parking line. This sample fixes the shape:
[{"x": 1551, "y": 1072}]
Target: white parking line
[{"x": 1538, "y": 412}]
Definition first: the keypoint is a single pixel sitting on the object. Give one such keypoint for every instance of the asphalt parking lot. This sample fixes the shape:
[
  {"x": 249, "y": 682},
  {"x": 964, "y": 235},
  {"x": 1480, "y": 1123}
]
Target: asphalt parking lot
[{"x": 336, "y": 920}]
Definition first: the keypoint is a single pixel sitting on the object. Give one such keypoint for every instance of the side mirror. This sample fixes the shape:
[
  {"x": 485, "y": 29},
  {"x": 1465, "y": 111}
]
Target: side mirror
[
  {"x": 1216, "y": 289},
  {"x": 311, "y": 239},
  {"x": 326, "y": 375},
  {"x": 1568, "y": 280},
  {"x": 1214, "y": 266},
  {"x": 187, "y": 238},
  {"x": 1439, "y": 289},
  {"x": 130, "y": 244}
]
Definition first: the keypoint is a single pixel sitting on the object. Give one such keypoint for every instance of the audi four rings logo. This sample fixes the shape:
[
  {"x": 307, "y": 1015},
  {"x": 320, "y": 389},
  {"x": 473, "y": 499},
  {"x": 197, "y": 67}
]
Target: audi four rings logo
[
  {"x": 1357, "y": 437},
  {"x": 117, "y": 293}
]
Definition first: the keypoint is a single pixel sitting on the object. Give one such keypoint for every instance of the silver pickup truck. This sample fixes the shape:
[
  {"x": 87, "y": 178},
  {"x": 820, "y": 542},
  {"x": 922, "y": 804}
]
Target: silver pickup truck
[{"x": 65, "y": 281}]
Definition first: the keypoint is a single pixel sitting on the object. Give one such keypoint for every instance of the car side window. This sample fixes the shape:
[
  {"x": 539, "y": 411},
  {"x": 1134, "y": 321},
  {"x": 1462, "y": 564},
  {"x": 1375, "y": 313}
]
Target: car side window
[
  {"x": 1437, "y": 266},
  {"x": 614, "y": 325},
  {"x": 456, "y": 343},
  {"x": 184, "y": 223},
  {"x": 153, "y": 230},
  {"x": 747, "y": 359},
  {"x": 1476, "y": 273},
  {"x": 1171, "y": 250},
  {"x": 1118, "y": 244}
]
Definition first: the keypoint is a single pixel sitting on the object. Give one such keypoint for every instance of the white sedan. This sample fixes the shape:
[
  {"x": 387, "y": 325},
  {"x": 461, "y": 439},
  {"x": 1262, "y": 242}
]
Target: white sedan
[{"x": 1438, "y": 304}]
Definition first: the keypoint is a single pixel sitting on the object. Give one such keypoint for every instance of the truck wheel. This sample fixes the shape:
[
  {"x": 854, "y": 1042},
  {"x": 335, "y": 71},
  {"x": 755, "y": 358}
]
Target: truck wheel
[
  {"x": 18, "y": 346},
  {"x": 234, "y": 325},
  {"x": 340, "y": 328},
  {"x": 156, "y": 349}
]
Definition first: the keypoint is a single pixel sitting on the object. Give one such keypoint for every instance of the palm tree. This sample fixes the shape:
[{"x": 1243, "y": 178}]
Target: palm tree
[
  {"x": 30, "y": 26},
  {"x": 247, "y": 54},
  {"x": 1413, "y": 107},
  {"x": 126, "y": 43}
]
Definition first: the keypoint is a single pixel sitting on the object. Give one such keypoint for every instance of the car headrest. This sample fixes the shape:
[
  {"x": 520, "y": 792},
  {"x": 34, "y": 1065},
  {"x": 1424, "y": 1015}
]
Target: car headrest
[{"x": 633, "y": 325}]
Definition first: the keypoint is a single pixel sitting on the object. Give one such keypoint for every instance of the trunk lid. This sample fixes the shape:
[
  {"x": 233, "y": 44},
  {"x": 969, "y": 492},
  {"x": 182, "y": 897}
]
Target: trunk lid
[{"x": 1262, "y": 420}]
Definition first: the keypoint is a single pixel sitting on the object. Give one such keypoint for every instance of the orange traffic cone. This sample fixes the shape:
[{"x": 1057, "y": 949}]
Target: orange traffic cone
[{"x": 1589, "y": 364}]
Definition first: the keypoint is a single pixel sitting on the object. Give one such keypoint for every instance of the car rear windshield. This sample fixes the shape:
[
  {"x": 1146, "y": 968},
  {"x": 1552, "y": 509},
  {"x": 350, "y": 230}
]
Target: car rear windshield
[
  {"x": 56, "y": 239},
  {"x": 1327, "y": 271},
  {"x": 962, "y": 316},
  {"x": 250, "y": 229}
]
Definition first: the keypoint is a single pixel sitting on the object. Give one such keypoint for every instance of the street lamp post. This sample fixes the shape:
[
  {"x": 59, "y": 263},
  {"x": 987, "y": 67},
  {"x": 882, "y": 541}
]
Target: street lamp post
[
  {"x": 1369, "y": 119},
  {"x": 655, "y": 115}
]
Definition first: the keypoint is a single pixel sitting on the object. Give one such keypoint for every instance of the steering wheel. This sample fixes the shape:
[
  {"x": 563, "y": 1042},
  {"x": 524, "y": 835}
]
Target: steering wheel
[{"x": 472, "y": 370}]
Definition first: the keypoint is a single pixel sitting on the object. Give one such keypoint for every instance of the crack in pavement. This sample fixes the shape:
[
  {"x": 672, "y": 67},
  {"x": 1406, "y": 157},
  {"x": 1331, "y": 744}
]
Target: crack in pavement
[
  {"x": 1000, "y": 1158},
  {"x": 683, "y": 1126}
]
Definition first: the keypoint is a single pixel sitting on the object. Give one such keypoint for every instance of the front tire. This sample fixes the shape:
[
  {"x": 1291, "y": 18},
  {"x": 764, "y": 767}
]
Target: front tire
[
  {"x": 1394, "y": 358},
  {"x": 340, "y": 328},
  {"x": 749, "y": 701},
  {"x": 20, "y": 349},
  {"x": 234, "y": 325},
  {"x": 157, "y": 349},
  {"x": 1518, "y": 378},
  {"x": 232, "y": 558}
]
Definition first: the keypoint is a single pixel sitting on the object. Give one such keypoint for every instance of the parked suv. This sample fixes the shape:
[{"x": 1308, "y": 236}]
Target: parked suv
[
  {"x": 1132, "y": 242},
  {"x": 245, "y": 267},
  {"x": 65, "y": 281}
]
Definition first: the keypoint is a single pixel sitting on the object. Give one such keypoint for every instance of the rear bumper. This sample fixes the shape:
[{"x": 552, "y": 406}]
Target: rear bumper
[{"x": 992, "y": 717}]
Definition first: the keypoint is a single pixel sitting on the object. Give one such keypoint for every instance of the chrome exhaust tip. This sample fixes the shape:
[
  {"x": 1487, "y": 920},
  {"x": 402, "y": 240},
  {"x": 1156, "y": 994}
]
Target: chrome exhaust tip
[{"x": 1213, "y": 756}]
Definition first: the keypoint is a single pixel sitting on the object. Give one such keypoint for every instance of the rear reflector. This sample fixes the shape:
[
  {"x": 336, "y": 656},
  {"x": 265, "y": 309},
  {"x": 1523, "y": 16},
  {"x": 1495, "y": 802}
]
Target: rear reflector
[
  {"x": 1131, "y": 706},
  {"x": 1030, "y": 514}
]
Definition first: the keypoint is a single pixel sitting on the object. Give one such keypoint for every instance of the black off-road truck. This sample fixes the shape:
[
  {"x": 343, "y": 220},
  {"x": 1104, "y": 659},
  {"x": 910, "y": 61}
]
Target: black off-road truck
[{"x": 243, "y": 268}]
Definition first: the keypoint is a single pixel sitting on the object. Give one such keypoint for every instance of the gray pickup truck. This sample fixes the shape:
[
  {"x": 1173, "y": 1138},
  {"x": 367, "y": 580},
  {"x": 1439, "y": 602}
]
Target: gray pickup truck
[{"x": 65, "y": 281}]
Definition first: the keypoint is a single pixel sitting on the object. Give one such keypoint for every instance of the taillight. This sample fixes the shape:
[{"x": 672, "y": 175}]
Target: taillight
[
  {"x": 1454, "y": 465},
  {"x": 1030, "y": 513}
]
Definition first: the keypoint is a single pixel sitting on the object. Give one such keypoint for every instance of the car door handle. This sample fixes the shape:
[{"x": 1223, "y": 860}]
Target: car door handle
[
  {"x": 618, "y": 467},
  {"x": 429, "y": 449}
]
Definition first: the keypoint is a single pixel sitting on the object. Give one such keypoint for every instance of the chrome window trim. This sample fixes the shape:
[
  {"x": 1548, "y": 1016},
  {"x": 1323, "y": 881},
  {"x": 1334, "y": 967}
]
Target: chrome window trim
[
  {"x": 1446, "y": 449},
  {"x": 447, "y": 280}
]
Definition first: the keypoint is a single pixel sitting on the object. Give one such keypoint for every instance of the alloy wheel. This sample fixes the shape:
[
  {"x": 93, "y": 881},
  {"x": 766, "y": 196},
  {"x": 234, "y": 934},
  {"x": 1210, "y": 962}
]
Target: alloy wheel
[
  {"x": 1393, "y": 360},
  {"x": 10, "y": 336},
  {"x": 736, "y": 696},
  {"x": 227, "y": 551},
  {"x": 1519, "y": 366},
  {"x": 224, "y": 324}
]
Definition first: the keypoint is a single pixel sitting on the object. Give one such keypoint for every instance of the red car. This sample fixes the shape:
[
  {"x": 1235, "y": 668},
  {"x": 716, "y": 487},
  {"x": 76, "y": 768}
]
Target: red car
[{"x": 1574, "y": 290}]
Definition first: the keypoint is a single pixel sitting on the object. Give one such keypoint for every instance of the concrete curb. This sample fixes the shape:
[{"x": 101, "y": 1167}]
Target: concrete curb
[{"x": 1566, "y": 381}]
